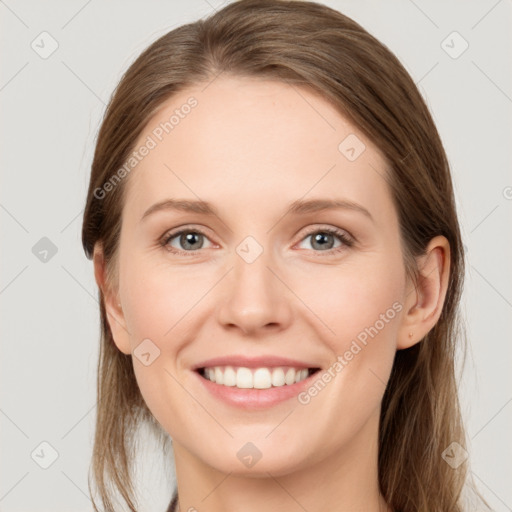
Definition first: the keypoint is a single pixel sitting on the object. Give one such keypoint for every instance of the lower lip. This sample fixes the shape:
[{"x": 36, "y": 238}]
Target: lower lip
[{"x": 255, "y": 398}]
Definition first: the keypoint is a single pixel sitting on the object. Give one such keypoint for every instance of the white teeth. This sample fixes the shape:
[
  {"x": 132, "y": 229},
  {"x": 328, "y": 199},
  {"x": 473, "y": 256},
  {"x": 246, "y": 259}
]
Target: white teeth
[
  {"x": 259, "y": 378},
  {"x": 301, "y": 375},
  {"x": 278, "y": 377},
  {"x": 290, "y": 376},
  {"x": 229, "y": 376},
  {"x": 262, "y": 378},
  {"x": 243, "y": 378},
  {"x": 219, "y": 376}
]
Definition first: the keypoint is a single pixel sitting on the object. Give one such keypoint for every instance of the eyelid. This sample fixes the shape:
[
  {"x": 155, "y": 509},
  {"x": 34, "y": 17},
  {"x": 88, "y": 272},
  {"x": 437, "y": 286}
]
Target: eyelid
[
  {"x": 326, "y": 228},
  {"x": 343, "y": 235}
]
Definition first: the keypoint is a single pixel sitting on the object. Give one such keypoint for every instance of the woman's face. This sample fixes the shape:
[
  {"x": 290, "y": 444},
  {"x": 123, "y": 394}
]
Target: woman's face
[{"x": 267, "y": 282}]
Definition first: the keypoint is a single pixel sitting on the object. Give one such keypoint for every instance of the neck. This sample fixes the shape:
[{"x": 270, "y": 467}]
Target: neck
[{"x": 346, "y": 480}]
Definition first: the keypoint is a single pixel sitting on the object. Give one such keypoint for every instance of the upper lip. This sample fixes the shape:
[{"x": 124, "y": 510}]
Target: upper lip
[{"x": 253, "y": 362}]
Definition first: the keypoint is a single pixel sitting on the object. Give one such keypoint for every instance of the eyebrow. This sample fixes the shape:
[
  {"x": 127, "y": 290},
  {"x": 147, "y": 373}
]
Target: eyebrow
[{"x": 298, "y": 207}]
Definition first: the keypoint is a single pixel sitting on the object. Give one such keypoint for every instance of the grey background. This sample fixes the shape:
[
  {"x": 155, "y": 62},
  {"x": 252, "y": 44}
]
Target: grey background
[{"x": 50, "y": 112}]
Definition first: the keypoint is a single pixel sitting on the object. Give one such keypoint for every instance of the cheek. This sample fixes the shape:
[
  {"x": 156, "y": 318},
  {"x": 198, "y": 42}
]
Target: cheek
[
  {"x": 359, "y": 300},
  {"x": 159, "y": 303},
  {"x": 361, "y": 307},
  {"x": 158, "y": 298}
]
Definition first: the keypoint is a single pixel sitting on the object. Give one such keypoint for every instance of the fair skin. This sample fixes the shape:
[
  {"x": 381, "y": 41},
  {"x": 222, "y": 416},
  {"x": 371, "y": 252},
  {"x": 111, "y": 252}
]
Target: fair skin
[{"x": 250, "y": 148}]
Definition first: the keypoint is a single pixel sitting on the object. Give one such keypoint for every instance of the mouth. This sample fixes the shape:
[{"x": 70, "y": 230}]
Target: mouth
[
  {"x": 241, "y": 377},
  {"x": 255, "y": 382}
]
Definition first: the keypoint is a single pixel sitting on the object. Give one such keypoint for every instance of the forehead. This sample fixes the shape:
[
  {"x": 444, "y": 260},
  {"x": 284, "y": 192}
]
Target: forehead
[{"x": 241, "y": 141}]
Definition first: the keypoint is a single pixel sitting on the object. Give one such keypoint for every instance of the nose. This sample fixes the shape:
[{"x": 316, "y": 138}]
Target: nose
[{"x": 254, "y": 297}]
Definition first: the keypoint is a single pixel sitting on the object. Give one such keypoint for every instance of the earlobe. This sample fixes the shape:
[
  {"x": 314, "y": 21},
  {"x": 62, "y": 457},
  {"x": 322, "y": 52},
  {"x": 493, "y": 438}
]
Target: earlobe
[
  {"x": 424, "y": 303},
  {"x": 113, "y": 309}
]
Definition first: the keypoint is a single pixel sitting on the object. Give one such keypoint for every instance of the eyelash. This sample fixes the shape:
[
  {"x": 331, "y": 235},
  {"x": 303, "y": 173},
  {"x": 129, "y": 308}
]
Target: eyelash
[{"x": 342, "y": 236}]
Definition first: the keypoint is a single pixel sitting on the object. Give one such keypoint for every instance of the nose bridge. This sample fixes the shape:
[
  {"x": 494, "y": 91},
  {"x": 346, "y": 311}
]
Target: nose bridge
[
  {"x": 255, "y": 298},
  {"x": 251, "y": 272}
]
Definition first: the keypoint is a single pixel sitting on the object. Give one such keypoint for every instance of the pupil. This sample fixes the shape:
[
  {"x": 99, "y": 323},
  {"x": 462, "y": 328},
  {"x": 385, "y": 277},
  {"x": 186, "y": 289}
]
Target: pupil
[
  {"x": 321, "y": 238},
  {"x": 190, "y": 238}
]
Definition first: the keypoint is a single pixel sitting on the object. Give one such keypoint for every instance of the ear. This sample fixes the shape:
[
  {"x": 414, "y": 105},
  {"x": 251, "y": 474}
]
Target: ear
[
  {"x": 424, "y": 300},
  {"x": 115, "y": 315}
]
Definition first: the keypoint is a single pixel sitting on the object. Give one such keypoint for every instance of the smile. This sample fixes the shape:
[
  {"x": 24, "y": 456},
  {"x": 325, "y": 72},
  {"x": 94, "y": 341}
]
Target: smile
[{"x": 255, "y": 378}]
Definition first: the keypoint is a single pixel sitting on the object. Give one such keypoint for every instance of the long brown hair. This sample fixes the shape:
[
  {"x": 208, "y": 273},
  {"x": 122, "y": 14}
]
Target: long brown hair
[{"x": 307, "y": 45}]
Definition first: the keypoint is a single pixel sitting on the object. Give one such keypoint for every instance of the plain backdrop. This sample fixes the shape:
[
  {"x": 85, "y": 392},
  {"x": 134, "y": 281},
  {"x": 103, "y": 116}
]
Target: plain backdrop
[{"x": 60, "y": 63}]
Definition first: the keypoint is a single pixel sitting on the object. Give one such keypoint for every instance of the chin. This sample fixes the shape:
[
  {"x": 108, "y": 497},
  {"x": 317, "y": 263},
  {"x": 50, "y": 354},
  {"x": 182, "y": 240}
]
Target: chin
[{"x": 257, "y": 459}]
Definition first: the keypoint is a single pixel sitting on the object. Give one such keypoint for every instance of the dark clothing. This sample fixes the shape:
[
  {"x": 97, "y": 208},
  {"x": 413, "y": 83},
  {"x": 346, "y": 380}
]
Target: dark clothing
[{"x": 173, "y": 506}]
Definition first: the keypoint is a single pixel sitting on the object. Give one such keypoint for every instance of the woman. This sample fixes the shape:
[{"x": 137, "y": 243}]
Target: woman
[{"x": 274, "y": 235}]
